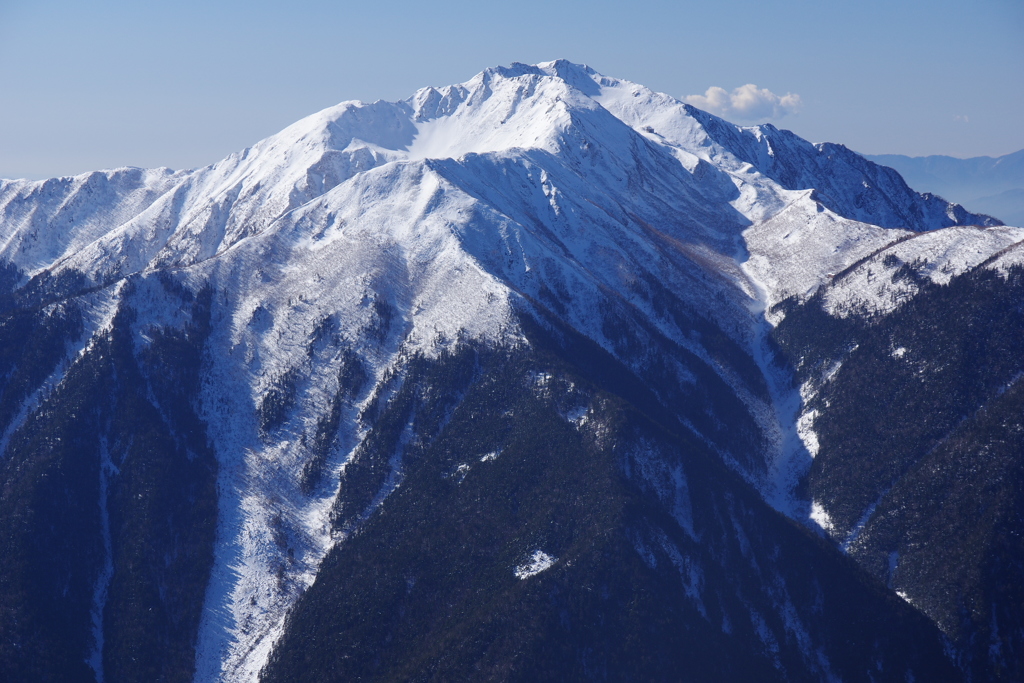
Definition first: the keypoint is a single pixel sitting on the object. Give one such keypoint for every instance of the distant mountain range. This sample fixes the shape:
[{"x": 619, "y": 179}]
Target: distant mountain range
[
  {"x": 994, "y": 186},
  {"x": 543, "y": 376}
]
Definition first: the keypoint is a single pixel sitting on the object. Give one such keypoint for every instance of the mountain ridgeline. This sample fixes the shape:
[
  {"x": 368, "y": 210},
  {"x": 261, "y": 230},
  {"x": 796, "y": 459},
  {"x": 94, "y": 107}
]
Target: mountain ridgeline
[
  {"x": 994, "y": 185},
  {"x": 541, "y": 376}
]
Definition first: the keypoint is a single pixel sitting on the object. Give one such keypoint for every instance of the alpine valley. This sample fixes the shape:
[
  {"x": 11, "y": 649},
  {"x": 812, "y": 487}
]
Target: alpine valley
[{"x": 540, "y": 377}]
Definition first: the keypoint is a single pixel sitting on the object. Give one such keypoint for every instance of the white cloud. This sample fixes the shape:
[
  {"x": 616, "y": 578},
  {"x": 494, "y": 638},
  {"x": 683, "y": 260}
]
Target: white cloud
[
  {"x": 962, "y": 119},
  {"x": 746, "y": 102}
]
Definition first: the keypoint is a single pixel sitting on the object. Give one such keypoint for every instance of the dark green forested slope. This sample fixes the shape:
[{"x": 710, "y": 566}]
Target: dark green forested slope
[
  {"x": 921, "y": 465},
  {"x": 108, "y": 499},
  {"x": 668, "y": 567}
]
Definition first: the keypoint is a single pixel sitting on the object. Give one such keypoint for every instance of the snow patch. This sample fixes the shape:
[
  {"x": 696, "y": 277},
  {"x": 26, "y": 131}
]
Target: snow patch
[
  {"x": 578, "y": 416},
  {"x": 459, "y": 474},
  {"x": 538, "y": 562},
  {"x": 805, "y": 430},
  {"x": 540, "y": 379},
  {"x": 820, "y": 516},
  {"x": 858, "y": 528}
]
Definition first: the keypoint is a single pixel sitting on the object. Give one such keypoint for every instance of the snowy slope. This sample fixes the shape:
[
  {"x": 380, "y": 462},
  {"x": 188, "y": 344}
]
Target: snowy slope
[
  {"x": 878, "y": 285},
  {"x": 45, "y": 221},
  {"x": 403, "y": 227}
]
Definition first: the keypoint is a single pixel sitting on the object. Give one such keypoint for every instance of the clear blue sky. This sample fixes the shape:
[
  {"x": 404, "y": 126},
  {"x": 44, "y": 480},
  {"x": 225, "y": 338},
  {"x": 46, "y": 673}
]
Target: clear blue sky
[{"x": 108, "y": 83}]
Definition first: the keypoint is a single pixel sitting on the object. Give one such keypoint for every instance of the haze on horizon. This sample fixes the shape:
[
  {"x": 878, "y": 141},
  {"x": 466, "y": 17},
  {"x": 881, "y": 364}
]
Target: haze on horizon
[{"x": 123, "y": 84}]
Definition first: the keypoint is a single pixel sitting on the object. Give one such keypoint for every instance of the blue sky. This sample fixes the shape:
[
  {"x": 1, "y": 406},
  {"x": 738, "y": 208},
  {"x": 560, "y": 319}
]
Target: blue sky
[{"x": 110, "y": 83}]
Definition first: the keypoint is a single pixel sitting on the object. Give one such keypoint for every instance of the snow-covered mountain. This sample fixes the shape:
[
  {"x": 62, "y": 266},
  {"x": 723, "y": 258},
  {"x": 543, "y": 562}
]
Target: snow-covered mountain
[{"x": 363, "y": 399}]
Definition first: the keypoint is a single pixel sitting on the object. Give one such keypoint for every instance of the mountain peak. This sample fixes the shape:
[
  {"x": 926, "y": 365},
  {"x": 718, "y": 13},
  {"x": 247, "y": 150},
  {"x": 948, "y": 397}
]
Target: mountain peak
[
  {"x": 579, "y": 76},
  {"x": 535, "y": 313},
  {"x": 570, "y": 72}
]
